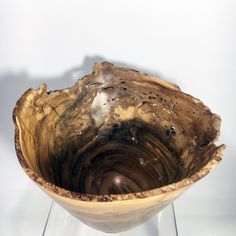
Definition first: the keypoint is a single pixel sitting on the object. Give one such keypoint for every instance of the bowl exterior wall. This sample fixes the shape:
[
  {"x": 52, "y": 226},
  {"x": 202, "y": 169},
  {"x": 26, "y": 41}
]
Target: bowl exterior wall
[{"x": 117, "y": 216}]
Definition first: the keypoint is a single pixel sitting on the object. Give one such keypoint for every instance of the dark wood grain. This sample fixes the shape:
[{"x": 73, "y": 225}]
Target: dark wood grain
[{"x": 117, "y": 131}]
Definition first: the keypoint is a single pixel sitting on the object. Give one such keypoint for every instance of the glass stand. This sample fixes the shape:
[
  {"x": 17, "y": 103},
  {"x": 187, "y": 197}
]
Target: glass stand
[{"x": 61, "y": 223}]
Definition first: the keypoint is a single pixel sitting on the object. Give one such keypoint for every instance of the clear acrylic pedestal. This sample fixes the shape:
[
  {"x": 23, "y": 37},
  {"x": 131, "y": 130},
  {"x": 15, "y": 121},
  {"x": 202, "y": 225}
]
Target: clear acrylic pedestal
[{"x": 61, "y": 223}]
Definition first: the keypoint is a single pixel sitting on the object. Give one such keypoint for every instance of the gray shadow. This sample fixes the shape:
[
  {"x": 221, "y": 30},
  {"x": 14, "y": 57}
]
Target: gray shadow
[
  {"x": 153, "y": 72},
  {"x": 13, "y": 85}
]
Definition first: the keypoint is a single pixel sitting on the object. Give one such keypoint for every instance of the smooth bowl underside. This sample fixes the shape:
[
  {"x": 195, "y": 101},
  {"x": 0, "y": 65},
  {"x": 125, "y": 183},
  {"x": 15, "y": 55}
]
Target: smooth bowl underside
[{"x": 115, "y": 132}]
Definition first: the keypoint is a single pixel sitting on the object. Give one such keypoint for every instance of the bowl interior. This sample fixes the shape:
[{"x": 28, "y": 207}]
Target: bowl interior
[
  {"x": 112, "y": 134},
  {"x": 125, "y": 158}
]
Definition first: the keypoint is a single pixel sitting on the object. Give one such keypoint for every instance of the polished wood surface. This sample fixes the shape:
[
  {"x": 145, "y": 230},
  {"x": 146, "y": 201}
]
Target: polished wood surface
[{"x": 119, "y": 137}]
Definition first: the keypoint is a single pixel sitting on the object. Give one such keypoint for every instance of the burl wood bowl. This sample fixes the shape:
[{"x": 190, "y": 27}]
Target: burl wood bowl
[{"x": 117, "y": 147}]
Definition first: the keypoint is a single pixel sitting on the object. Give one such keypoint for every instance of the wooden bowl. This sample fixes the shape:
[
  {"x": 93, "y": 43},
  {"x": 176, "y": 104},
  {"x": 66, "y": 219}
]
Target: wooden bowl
[{"x": 117, "y": 147}]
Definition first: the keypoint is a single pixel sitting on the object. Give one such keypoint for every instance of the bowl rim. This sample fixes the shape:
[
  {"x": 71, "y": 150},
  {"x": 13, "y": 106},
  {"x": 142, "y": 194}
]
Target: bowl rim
[{"x": 216, "y": 157}]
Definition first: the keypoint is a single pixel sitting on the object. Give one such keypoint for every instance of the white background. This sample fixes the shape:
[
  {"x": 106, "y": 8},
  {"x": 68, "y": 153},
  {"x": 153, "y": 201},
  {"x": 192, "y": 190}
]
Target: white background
[{"x": 191, "y": 43}]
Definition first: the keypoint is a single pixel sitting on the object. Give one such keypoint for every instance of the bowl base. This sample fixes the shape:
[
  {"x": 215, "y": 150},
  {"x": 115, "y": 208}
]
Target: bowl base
[{"x": 61, "y": 223}]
